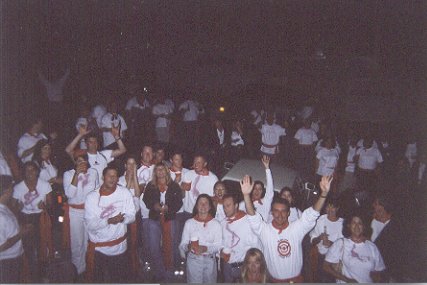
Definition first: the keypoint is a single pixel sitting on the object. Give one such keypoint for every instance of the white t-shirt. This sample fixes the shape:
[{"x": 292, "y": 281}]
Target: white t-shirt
[
  {"x": 30, "y": 200},
  {"x": 98, "y": 112},
  {"x": 133, "y": 103},
  {"x": 236, "y": 139},
  {"x": 191, "y": 110},
  {"x": 98, "y": 209},
  {"x": 162, "y": 109},
  {"x": 369, "y": 158},
  {"x": 99, "y": 161},
  {"x": 86, "y": 182},
  {"x": 257, "y": 117},
  {"x": 359, "y": 259},
  {"x": 173, "y": 176},
  {"x": 9, "y": 228},
  {"x": 411, "y": 153},
  {"x": 283, "y": 251},
  {"x": 271, "y": 136},
  {"x": 319, "y": 146},
  {"x": 377, "y": 228},
  {"x": 209, "y": 234},
  {"x": 47, "y": 171},
  {"x": 238, "y": 236},
  {"x": 306, "y": 136},
  {"x": 333, "y": 229},
  {"x": 199, "y": 184},
  {"x": 328, "y": 160},
  {"x": 27, "y": 141},
  {"x": 107, "y": 122},
  {"x": 351, "y": 165},
  {"x": 4, "y": 167},
  {"x": 360, "y": 143}
]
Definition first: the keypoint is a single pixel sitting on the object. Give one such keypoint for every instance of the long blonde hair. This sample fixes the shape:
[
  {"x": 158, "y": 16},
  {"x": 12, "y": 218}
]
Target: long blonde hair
[
  {"x": 260, "y": 258},
  {"x": 154, "y": 176}
]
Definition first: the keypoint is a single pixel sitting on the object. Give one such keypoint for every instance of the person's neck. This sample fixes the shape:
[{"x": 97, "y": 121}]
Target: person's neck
[
  {"x": 332, "y": 218},
  {"x": 176, "y": 168},
  {"x": 107, "y": 190},
  {"x": 204, "y": 171},
  {"x": 161, "y": 181},
  {"x": 146, "y": 163},
  {"x": 383, "y": 217},
  {"x": 45, "y": 159},
  {"x": 203, "y": 216},
  {"x": 254, "y": 277},
  {"x": 92, "y": 151},
  {"x": 358, "y": 239},
  {"x": 33, "y": 132}
]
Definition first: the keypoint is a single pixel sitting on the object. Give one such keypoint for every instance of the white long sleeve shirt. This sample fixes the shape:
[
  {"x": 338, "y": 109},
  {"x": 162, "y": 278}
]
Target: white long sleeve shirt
[
  {"x": 209, "y": 234},
  {"x": 27, "y": 141},
  {"x": 199, "y": 184},
  {"x": 283, "y": 251},
  {"x": 9, "y": 228},
  {"x": 98, "y": 209},
  {"x": 238, "y": 236}
]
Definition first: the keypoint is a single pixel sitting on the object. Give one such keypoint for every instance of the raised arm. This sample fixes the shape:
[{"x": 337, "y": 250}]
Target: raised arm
[
  {"x": 70, "y": 148},
  {"x": 269, "y": 188},
  {"x": 325, "y": 186},
  {"x": 115, "y": 131}
]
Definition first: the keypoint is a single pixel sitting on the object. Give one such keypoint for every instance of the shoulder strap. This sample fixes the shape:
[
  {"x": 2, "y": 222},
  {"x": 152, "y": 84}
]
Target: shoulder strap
[{"x": 106, "y": 160}]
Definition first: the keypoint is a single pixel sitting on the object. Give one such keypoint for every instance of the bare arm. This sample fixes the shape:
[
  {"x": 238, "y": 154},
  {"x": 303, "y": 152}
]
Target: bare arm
[
  {"x": 115, "y": 131},
  {"x": 325, "y": 186},
  {"x": 70, "y": 148},
  {"x": 329, "y": 268}
]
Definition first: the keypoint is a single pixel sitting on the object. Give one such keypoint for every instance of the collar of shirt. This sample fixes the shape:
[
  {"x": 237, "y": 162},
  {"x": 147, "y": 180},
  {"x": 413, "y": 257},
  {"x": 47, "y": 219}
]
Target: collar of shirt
[
  {"x": 204, "y": 221},
  {"x": 237, "y": 216},
  {"x": 280, "y": 228}
]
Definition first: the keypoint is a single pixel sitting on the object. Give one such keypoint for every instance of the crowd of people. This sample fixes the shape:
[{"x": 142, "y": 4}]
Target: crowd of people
[{"x": 129, "y": 198}]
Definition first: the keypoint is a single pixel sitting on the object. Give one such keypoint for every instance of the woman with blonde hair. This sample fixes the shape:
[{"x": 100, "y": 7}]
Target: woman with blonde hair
[
  {"x": 163, "y": 197},
  {"x": 254, "y": 268}
]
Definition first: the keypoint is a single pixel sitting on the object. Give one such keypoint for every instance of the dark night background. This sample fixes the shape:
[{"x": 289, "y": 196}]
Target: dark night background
[{"x": 228, "y": 53}]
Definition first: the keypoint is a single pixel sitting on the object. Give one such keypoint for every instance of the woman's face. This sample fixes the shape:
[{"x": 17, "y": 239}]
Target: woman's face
[
  {"x": 331, "y": 211},
  {"x": 219, "y": 190},
  {"x": 254, "y": 264},
  {"x": 130, "y": 164},
  {"x": 161, "y": 172},
  {"x": 287, "y": 196},
  {"x": 203, "y": 206},
  {"x": 46, "y": 151},
  {"x": 356, "y": 227},
  {"x": 31, "y": 173},
  {"x": 257, "y": 192}
]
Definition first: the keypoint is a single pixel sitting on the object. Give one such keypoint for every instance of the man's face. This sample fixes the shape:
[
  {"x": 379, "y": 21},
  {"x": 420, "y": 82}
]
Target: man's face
[
  {"x": 92, "y": 144},
  {"x": 160, "y": 155},
  {"x": 147, "y": 154},
  {"x": 331, "y": 211},
  {"x": 199, "y": 163},
  {"x": 31, "y": 173},
  {"x": 287, "y": 196},
  {"x": 38, "y": 126},
  {"x": 230, "y": 208},
  {"x": 177, "y": 161},
  {"x": 378, "y": 208},
  {"x": 203, "y": 206},
  {"x": 257, "y": 192},
  {"x": 110, "y": 179},
  {"x": 280, "y": 213}
]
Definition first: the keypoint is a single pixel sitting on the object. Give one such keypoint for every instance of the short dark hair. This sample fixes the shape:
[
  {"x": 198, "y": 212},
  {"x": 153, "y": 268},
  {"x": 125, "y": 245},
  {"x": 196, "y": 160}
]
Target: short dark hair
[
  {"x": 28, "y": 164},
  {"x": 110, "y": 167},
  {"x": 234, "y": 197},
  {"x": 6, "y": 182},
  {"x": 212, "y": 209},
  {"x": 280, "y": 200},
  {"x": 347, "y": 221},
  {"x": 385, "y": 201}
]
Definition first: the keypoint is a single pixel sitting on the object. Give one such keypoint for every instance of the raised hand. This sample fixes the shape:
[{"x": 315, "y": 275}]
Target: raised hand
[
  {"x": 83, "y": 130},
  {"x": 246, "y": 185},
  {"x": 115, "y": 130},
  {"x": 325, "y": 184},
  {"x": 266, "y": 161}
]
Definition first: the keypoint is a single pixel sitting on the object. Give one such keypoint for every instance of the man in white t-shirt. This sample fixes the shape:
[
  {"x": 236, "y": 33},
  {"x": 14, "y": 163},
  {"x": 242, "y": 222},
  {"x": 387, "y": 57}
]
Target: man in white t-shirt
[
  {"x": 368, "y": 159},
  {"x": 305, "y": 139},
  {"x": 328, "y": 229},
  {"x": 108, "y": 211},
  {"x": 11, "y": 233},
  {"x": 197, "y": 181},
  {"x": 348, "y": 181},
  {"x": 28, "y": 141},
  {"x": 162, "y": 111},
  {"x": 97, "y": 159},
  {"x": 110, "y": 119},
  {"x": 271, "y": 134},
  {"x": 237, "y": 238},
  {"x": 281, "y": 240}
]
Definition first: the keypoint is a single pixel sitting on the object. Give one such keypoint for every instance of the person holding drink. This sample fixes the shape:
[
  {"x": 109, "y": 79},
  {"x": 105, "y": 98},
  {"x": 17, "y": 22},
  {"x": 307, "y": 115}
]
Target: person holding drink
[{"x": 201, "y": 240}]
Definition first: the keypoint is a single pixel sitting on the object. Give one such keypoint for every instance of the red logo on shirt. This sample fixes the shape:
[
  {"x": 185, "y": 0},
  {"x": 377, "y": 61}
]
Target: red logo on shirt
[{"x": 284, "y": 248}]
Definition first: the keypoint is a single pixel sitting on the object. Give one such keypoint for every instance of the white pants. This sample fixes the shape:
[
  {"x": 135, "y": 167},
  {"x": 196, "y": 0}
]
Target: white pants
[
  {"x": 201, "y": 269},
  {"x": 78, "y": 239}
]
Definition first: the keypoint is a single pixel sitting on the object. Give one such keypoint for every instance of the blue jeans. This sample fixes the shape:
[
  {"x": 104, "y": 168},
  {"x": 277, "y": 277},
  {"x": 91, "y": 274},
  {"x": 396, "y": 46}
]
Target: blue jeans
[{"x": 154, "y": 248}]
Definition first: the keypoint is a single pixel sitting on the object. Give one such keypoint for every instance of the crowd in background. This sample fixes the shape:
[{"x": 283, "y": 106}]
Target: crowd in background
[{"x": 139, "y": 185}]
